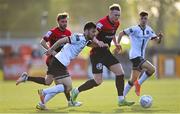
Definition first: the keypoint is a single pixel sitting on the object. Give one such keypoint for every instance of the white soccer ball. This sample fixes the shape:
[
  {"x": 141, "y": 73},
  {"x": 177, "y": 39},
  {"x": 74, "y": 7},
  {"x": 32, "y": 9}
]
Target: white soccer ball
[{"x": 146, "y": 101}]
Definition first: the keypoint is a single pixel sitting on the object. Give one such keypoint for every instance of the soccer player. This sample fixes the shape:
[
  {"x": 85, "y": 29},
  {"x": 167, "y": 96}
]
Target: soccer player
[
  {"x": 101, "y": 56},
  {"x": 139, "y": 36},
  {"x": 58, "y": 64},
  {"x": 47, "y": 41}
]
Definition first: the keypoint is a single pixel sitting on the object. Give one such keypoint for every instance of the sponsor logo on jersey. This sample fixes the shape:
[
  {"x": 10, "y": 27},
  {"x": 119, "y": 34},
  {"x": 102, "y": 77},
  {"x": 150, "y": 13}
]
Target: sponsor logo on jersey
[
  {"x": 48, "y": 34},
  {"x": 99, "y": 25},
  {"x": 130, "y": 30},
  {"x": 147, "y": 32},
  {"x": 99, "y": 66},
  {"x": 77, "y": 38}
]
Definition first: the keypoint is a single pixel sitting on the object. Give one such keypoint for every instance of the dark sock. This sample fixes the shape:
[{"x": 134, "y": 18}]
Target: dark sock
[
  {"x": 130, "y": 83},
  {"x": 120, "y": 84},
  {"x": 39, "y": 80},
  {"x": 148, "y": 74},
  {"x": 68, "y": 96},
  {"x": 87, "y": 85}
]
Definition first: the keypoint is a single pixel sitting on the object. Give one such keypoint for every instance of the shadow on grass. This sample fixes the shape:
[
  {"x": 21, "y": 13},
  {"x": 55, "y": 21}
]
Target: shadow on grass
[
  {"x": 65, "y": 109},
  {"x": 139, "y": 109}
]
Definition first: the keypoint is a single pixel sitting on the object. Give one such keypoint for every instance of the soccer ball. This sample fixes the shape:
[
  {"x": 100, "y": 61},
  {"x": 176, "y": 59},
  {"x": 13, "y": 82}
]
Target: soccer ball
[{"x": 146, "y": 101}]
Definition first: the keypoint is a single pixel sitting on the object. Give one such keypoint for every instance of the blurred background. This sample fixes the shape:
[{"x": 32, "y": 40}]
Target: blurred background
[{"x": 23, "y": 23}]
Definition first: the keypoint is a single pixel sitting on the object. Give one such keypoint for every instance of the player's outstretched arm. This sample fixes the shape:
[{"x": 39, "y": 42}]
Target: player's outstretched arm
[
  {"x": 158, "y": 38},
  {"x": 44, "y": 44},
  {"x": 121, "y": 34},
  {"x": 51, "y": 50}
]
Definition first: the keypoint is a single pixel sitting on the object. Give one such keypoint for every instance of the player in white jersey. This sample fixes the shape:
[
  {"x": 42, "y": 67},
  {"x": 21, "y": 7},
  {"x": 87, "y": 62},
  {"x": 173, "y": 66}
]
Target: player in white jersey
[
  {"x": 139, "y": 37},
  {"x": 58, "y": 64}
]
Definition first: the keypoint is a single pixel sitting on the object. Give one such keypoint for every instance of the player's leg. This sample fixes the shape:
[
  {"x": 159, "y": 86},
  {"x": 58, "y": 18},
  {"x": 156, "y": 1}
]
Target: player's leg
[
  {"x": 49, "y": 93},
  {"x": 113, "y": 64},
  {"x": 134, "y": 76},
  {"x": 87, "y": 85},
  {"x": 119, "y": 82},
  {"x": 67, "y": 82},
  {"x": 40, "y": 80},
  {"x": 97, "y": 69},
  {"x": 149, "y": 71}
]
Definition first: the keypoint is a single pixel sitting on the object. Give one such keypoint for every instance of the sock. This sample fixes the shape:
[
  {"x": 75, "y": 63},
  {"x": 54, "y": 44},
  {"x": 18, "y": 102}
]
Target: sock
[
  {"x": 120, "y": 98},
  {"x": 48, "y": 97},
  {"x": 39, "y": 80},
  {"x": 127, "y": 88},
  {"x": 143, "y": 77},
  {"x": 54, "y": 89},
  {"x": 76, "y": 90},
  {"x": 120, "y": 84},
  {"x": 68, "y": 96},
  {"x": 87, "y": 85}
]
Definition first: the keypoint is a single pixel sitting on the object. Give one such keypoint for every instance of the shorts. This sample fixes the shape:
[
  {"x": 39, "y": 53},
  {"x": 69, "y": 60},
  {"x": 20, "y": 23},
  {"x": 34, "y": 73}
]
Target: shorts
[
  {"x": 137, "y": 63},
  {"x": 100, "y": 58},
  {"x": 57, "y": 69}
]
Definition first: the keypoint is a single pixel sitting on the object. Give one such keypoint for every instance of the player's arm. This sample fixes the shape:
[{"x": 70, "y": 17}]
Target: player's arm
[
  {"x": 121, "y": 34},
  {"x": 157, "y": 38},
  {"x": 57, "y": 44},
  {"x": 44, "y": 44},
  {"x": 94, "y": 44},
  {"x": 98, "y": 43},
  {"x": 118, "y": 48}
]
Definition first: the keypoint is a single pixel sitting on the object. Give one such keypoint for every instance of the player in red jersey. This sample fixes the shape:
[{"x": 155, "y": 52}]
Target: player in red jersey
[
  {"x": 101, "y": 56},
  {"x": 47, "y": 41}
]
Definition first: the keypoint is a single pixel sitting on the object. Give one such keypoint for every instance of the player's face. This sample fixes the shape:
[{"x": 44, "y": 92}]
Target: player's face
[
  {"x": 62, "y": 23},
  {"x": 92, "y": 33},
  {"x": 114, "y": 15},
  {"x": 143, "y": 20}
]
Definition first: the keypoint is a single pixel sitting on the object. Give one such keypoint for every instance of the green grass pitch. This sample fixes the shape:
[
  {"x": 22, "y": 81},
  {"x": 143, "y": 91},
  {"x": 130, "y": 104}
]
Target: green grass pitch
[{"x": 103, "y": 99}]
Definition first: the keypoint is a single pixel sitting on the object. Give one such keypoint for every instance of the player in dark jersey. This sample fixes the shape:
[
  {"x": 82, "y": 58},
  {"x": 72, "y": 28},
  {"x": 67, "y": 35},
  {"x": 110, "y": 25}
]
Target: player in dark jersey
[
  {"x": 100, "y": 56},
  {"x": 47, "y": 41}
]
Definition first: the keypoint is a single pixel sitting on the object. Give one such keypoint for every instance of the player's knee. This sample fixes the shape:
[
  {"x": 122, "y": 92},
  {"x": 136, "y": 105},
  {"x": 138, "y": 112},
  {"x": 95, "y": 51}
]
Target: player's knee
[
  {"x": 68, "y": 88},
  {"x": 151, "y": 71},
  {"x": 98, "y": 81},
  {"x": 47, "y": 84}
]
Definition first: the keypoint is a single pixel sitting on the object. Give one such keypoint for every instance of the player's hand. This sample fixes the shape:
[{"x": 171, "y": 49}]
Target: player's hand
[
  {"x": 101, "y": 44},
  {"x": 50, "y": 52},
  {"x": 160, "y": 35},
  {"x": 118, "y": 49},
  {"x": 106, "y": 45}
]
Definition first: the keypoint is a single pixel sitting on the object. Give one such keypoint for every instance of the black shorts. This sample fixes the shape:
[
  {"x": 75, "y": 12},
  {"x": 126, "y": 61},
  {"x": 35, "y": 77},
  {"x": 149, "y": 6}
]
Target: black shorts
[
  {"x": 137, "y": 62},
  {"x": 57, "y": 69},
  {"x": 100, "y": 58}
]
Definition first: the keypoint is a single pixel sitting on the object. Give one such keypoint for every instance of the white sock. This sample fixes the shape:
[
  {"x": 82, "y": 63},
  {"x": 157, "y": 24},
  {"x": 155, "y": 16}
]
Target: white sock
[
  {"x": 54, "y": 89},
  {"x": 142, "y": 78},
  {"x": 76, "y": 90},
  {"x": 120, "y": 98},
  {"x": 48, "y": 97},
  {"x": 127, "y": 89}
]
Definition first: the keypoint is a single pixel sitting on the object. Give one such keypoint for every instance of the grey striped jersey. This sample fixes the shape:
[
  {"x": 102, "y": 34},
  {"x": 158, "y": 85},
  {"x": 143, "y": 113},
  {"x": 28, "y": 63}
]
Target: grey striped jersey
[
  {"x": 72, "y": 49},
  {"x": 139, "y": 38}
]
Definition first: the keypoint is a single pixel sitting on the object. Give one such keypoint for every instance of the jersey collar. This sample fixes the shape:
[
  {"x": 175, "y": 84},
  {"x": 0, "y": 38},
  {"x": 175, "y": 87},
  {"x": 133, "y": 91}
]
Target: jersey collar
[{"x": 109, "y": 20}]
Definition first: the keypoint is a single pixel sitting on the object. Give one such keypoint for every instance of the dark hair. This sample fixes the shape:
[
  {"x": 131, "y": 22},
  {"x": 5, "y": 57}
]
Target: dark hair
[
  {"x": 115, "y": 7},
  {"x": 143, "y": 13},
  {"x": 62, "y": 16},
  {"x": 89, "y": 25}
]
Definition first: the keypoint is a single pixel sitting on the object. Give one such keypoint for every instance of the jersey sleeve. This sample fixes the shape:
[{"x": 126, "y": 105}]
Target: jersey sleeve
[
  {"x": 74, "y": 38},
  {"x": 152, "y": 34},
  {"x": 129, "y": 31},
  {"x": 48, "y": 36},
  {"x": 99, "y": 26}
]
